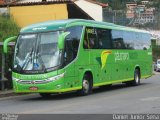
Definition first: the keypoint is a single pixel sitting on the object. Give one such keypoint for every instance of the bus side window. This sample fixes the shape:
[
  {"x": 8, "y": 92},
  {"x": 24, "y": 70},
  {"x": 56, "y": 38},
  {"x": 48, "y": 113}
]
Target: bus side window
[
  {"x": 72, "y": 43},
  {"x": 118, "y": 39},
  {"x": 90, "y": 38},
  {"x": 104, "y": 38}
]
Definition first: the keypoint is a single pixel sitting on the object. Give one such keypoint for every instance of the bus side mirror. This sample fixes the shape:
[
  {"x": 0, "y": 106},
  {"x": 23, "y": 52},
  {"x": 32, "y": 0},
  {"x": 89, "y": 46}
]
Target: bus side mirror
[
  {"x": 61, "y": 40},
  {"x": 5, "y": 45}
]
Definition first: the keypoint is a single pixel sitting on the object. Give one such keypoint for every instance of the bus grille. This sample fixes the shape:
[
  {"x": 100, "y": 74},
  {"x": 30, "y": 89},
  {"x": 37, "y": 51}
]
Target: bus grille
[{"x": 32, "y": 81}]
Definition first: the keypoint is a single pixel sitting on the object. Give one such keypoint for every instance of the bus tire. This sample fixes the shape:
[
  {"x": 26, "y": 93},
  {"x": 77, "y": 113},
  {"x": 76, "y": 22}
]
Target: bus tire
[
  {"x": 136, "y": 80},
  {"x": 136, "y": 77},
  {"x": 45, "y": 95},
  {"x": 86, "y": 85}
]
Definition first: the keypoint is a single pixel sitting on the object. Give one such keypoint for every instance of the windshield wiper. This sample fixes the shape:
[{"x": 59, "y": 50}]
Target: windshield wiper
[
  {"x": 27, "y": 59},
  {"x": 41, "y": 61},
  {"x": 38, "y": 55}
]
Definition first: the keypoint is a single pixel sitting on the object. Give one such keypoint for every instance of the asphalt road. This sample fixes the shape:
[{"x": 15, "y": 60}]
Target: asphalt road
[{"x": 116, "y": 99}]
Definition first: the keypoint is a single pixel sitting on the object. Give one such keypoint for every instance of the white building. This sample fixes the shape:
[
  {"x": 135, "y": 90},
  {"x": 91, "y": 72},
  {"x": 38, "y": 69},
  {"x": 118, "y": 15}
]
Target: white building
[
  {"x": 144, "y": 2},
  {"x": 155, "y": 35}
]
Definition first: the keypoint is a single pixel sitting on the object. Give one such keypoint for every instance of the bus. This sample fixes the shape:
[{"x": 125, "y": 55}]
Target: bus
[{"x": 78, "y": 55}]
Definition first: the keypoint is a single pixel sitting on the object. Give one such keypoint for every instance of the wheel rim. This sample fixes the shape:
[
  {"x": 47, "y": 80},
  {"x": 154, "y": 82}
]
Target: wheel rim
[
  {"x": 85, "y": 86},
  {"x": 137, "y": 79}
]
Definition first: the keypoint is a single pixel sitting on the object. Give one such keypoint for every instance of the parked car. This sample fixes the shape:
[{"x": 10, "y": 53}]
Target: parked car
[{"x": 157, "y": 65}]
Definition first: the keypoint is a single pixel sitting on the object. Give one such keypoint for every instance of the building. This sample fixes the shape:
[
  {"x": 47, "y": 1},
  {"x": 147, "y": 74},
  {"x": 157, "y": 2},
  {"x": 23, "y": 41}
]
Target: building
[
  {"x": 2, "y": 2},
  {"x": 140, "y": 8},
  {"x": 156, "y": 34},
  {"x": 27, "y": 12},
  {"x": 130, "y": 10},
  {"x": 144, "y": 2},
  {"x": 139, "y": 13},
  {"x": 145, "y": 16},
  {"x": 131, "y": 6}
]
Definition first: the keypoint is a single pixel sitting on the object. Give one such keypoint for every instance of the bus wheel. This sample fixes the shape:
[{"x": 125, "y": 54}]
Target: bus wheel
[
  {"x": 136, "y": 80},
  {"x": 86, "y": 86},
  {"x": 136, "y": 77},
  {"x": 45, "y": 95}
]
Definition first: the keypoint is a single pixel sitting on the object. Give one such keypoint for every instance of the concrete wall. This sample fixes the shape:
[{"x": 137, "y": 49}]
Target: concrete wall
[
  {"x": 92, "y": 9},
  {"x": 3, "y": 10},
  {"x": 26, "y": 15}
]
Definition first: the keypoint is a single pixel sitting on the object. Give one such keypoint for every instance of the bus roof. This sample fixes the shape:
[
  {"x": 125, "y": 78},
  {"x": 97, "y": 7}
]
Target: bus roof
[{"x": 62, "y": 24}]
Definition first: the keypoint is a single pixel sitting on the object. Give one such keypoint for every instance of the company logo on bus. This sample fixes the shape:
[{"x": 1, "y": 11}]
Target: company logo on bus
[
  {"x": 104, "y": 56},
  {"x": 40, "y": 28},
  {"x": 33, "y": 88}
]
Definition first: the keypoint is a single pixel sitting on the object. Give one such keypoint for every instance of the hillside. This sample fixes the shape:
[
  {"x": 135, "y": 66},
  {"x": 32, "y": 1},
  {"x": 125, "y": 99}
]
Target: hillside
[
  {"x": 7, "y": 27},
  {"x": 117, "y": 12},
  {"x": 121, "y": 4}
]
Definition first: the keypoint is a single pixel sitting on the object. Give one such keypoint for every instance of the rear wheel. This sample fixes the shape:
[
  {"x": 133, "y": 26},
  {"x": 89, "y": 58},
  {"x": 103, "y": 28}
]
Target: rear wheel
[
  {"x": 136, "y": 77},
  {"x": 86, "y": 85},
  {"x": 136, "y": 80}
]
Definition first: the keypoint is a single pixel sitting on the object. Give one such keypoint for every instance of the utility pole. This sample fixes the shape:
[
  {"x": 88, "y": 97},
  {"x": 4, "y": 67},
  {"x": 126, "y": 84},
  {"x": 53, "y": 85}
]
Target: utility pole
[
  {"x": 3, "y": 78},
  {"x": 114, "y": 16}
]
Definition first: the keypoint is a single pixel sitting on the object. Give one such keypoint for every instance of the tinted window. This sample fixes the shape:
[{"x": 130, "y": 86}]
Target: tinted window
[
  {"x": 130, "y": 40},
  {"x": 72, "y": 43},
  {"x": 90, "y": 38},
  {"x": 98, "y": 38},
  {"x": 117, "y": 39},
  {"x": 144, "y": 41},
  {"x": 104, "y": 38},
  {"x": 136, "y": 40}
]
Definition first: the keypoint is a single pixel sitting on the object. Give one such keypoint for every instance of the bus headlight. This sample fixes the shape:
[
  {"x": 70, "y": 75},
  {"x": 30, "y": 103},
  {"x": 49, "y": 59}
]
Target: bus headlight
[
  {"x": 15, "y": 79},
  {"x": 55, "y": 77}
]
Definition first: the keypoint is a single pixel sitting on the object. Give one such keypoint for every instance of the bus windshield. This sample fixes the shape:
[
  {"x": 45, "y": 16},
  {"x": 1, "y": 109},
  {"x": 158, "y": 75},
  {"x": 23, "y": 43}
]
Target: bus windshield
[{"x": 37, "y": 52}]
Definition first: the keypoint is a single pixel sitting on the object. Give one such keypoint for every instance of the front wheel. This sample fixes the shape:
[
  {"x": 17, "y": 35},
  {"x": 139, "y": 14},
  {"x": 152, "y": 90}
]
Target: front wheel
[{"x": 86, "y": 86}]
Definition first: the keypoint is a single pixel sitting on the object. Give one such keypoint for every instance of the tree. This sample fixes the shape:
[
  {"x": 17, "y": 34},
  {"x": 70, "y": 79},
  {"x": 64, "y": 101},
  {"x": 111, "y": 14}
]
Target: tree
[{"x": 8, "y": 27}]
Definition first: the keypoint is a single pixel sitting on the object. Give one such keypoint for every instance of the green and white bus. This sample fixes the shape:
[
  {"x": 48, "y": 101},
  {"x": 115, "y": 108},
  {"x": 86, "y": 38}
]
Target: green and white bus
[{"x": 78, "y": 55}]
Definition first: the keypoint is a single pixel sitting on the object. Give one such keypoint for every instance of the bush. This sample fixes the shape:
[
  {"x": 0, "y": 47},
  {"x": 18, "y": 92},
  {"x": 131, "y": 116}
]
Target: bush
[{"x": 8, "y": 27}]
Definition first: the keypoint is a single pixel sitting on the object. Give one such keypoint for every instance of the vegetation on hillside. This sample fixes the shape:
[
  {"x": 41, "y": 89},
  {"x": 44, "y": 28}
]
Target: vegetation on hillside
[{"x": 8, "y": 27}]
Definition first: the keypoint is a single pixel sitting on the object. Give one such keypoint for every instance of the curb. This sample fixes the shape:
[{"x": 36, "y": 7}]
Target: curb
[{"x": 7, "y": 93}]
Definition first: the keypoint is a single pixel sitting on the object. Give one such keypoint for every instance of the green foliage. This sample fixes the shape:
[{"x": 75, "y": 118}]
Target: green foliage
[
  {"x": 8, "y": 27},
  {"x": 114, "y": 4}
]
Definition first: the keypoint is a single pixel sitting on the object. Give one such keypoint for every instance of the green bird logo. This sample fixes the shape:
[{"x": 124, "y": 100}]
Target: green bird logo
[{"x": 104, "y": 56}]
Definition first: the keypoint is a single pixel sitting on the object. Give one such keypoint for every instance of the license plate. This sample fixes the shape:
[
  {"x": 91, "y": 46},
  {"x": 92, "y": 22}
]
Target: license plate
[{"x": 33, "y": 88}]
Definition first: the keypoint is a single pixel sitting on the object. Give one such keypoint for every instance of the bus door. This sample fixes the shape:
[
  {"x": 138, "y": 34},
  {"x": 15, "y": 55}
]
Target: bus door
[
  {"x": 72, "y": 42},
  {"x": 91, "y": 52}
]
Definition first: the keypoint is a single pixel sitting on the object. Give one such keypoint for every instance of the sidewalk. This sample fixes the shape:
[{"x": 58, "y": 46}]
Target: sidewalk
[{"x": 6, "y": 93}]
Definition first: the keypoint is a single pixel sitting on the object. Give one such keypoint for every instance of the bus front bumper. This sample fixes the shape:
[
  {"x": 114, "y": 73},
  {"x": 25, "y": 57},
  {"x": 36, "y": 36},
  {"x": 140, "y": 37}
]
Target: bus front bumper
[{"x": 54, "y": 84}]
